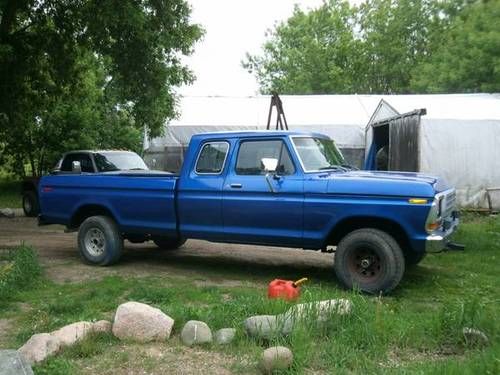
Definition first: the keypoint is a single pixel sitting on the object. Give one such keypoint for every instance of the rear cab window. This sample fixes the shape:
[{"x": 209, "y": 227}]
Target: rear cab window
[{"x": 212, "y": 157}]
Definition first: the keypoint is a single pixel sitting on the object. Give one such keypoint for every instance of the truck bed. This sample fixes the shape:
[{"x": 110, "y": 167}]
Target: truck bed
[{"x": 140, "y": 201}]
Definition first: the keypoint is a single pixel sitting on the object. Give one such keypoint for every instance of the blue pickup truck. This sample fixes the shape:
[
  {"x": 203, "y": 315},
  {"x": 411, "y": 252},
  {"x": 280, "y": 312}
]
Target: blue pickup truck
[{"x": 285, "y": 189}]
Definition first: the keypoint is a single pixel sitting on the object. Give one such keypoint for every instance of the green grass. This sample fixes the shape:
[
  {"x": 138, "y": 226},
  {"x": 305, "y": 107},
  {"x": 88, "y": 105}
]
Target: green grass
[
  {"x": 10, "y": 193},
  {"x": 415, "y": 330},
  {"x": 19, "y": 269}
]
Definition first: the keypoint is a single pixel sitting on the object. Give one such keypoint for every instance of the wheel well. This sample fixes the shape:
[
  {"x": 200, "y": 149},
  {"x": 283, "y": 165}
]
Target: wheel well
[
  {"x": 348, "y": 225},
  {"x": 87, "y": 211},
  {"x": 28, "y": 186}
]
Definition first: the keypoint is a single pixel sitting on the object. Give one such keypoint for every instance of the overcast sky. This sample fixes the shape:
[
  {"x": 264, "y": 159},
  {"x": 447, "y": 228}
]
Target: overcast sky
[{"x": 232, "y": 28}]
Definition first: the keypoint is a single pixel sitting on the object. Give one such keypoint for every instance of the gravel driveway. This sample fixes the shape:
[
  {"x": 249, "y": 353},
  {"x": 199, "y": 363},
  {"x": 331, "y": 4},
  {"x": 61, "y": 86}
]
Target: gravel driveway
[{"x": 204, "y": 261}]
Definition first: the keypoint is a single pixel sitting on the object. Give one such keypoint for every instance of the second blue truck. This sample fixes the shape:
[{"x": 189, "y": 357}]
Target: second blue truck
[{"x": 286, "y": 189}]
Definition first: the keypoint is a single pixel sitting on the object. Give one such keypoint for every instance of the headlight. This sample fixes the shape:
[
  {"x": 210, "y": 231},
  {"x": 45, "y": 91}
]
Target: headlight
[{"x": 433, "y": 221}]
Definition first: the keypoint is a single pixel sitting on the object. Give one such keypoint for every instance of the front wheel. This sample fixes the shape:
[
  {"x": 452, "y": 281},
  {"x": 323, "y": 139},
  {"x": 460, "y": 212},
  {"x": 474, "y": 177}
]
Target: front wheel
[
  {"x": 168, "y": 243},
  {"x": 99, "y": 241},
  {"x": 369, "y": 259}
]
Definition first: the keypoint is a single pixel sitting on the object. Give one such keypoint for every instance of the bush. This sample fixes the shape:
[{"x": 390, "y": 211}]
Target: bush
[{"x": 19, "y": 268}]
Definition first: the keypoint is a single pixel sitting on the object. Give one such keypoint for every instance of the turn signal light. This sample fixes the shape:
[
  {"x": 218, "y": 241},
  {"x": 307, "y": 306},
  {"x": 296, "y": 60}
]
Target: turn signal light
[
  {"x": 417, "y": 201},
  {"x": 433, "y": 226}
]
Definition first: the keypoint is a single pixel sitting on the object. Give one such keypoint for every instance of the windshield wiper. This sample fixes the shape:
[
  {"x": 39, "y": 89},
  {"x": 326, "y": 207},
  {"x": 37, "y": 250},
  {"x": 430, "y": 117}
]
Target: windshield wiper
[
  {"x": 136, "y": 169},
  {"x": 347, "y": 166},
  {"x": 333, "y": 167}
]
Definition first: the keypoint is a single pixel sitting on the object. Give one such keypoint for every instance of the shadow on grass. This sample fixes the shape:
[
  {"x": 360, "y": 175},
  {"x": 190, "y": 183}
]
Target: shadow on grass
[{"x": 227, "y": 266}]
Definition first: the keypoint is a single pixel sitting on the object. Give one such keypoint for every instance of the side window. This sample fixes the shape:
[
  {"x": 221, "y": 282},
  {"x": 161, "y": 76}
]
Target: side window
[
  {"x": 67, "y": 163},
  {"x": 84, "y": 159},
  {"x": 212, "y": 157},
  {"x": 86, "y": 163},
  {"x": 251, "y": 153}
]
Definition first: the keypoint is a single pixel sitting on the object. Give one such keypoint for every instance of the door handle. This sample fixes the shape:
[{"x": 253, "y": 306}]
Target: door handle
[{"x": 236, "y": 186}]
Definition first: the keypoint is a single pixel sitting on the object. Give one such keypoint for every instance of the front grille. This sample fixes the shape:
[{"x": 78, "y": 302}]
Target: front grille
[{"x": 448, "y": 203}]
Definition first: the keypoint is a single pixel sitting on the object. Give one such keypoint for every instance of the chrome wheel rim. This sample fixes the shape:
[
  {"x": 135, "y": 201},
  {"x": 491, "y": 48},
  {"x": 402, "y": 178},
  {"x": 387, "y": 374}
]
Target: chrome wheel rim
[{"x": 95, "y": 242}]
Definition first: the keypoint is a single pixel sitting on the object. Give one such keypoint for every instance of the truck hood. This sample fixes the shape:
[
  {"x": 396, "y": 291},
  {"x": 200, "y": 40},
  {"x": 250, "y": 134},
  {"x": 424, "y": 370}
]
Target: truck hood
[{"x": 385, "y": 183}]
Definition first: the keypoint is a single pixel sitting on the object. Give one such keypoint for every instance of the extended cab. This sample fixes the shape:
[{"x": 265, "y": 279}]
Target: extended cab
[{"x": 287, "y": 189}]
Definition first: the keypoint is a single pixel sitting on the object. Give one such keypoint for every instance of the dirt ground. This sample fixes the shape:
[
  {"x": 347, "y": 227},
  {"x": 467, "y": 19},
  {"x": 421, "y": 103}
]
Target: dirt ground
[{"x": 59, "y": 256}]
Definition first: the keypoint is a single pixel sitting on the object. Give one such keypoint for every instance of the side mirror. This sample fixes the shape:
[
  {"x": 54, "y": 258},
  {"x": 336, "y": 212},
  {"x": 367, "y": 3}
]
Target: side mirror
[
  {"x": 76, "y": 167},
  {"x": 269, "y": 164}
]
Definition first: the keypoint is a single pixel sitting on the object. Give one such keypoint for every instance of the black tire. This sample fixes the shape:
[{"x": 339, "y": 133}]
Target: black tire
[
  {"x": 369, "y": 259},
  {"x": 412, "y": 258},
  {"x": 31, "y": 207},
  {"x": 99, "y": 241},
  {"x": 168, "y": 243}
]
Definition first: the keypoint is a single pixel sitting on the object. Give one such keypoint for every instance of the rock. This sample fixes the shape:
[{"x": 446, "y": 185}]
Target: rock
[
  {"x": 268, "y": 326},
  {"x": 196, "y": 332},
  {"x": 224, "y": 336},
  {"x": 102, "y": 326},
  {"x": 7, "y": 212},
  {"x": 39, "y": 347},
  {"x": 321, "y": 310},
  {"x": 13, "y": 363},
  {"x": 276, "y": 358},
  {"x": 70, "y": 334},
  {"x": 475, "y": 337},
  {"x": 140, "y": 322}
]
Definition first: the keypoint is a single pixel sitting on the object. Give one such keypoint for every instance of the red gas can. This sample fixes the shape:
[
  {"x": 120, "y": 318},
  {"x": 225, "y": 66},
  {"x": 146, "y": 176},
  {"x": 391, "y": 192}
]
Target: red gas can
[{"x": 286, "y": 289}]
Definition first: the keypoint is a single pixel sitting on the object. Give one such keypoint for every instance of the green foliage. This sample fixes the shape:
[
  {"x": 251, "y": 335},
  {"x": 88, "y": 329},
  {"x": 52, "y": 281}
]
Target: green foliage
[
  {"x": 415, "y": 330},
  {"x": 10, "y": 192},
  {"x": 395, "y": 36},
  {"x": 468, "y": 59},
  {"x": 87, "y": 74},
  {"x": 19, "y": 269},
  {"x": 310, "y": 53},
  {"x": 383, "y": 46},
  {"x": 55, "y": 366}
]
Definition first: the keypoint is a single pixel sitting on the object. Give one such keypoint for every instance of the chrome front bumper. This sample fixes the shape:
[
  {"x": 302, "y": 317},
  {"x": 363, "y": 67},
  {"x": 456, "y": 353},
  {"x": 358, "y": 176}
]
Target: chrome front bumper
[{"x": 438, "y": 240}]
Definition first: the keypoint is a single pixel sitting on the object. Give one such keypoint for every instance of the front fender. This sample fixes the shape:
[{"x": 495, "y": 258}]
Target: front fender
[{"x": 324, "y": 213}]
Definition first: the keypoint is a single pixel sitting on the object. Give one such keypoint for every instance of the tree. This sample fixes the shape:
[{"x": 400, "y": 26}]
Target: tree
[
  {"x": 310, "y": 53},
  {"x": 373, "y": 48},
  {"x": 396, "y": 36},
  {"x": 468, "y": 58},
  {"x": 76, "y": 73}
]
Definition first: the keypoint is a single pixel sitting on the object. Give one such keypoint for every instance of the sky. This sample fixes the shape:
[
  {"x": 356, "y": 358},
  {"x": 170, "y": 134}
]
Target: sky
[{"x": 232, "y": 28}]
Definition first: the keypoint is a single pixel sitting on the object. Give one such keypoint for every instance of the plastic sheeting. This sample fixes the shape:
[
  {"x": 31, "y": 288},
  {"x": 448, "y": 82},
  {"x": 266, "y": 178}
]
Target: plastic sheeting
[
  {"x": 342, "y": 117},
  {"x": 466, "y": 153},
  {"x": 458, "y": 138}
]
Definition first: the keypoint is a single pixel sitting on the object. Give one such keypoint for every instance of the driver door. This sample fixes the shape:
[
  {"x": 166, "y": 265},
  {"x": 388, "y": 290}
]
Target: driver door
[{"x": 252, "y": 213}]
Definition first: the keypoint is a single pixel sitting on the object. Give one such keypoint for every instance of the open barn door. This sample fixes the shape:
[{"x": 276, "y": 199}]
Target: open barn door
[
  {"x": 393, "y": 139},
  {"x": 404, "y": 142}
]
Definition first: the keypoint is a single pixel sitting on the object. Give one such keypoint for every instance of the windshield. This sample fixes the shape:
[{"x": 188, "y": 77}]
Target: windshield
[
  {"x": 318, "y": 154},
  {"x": 118, "y": 161}
]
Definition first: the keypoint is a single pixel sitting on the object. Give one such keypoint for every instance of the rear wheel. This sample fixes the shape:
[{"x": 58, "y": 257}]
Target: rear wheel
[
  {"x": 168, "y": 243},
  {"x": 99, "y": 241},
  {"x": 30, "y": 203},
  {"x": 369, "y": 259}
]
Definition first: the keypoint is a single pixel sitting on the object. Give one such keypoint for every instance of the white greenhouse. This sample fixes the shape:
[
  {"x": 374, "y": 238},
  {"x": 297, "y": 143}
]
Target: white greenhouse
[{"x": 455, "y": 136}]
